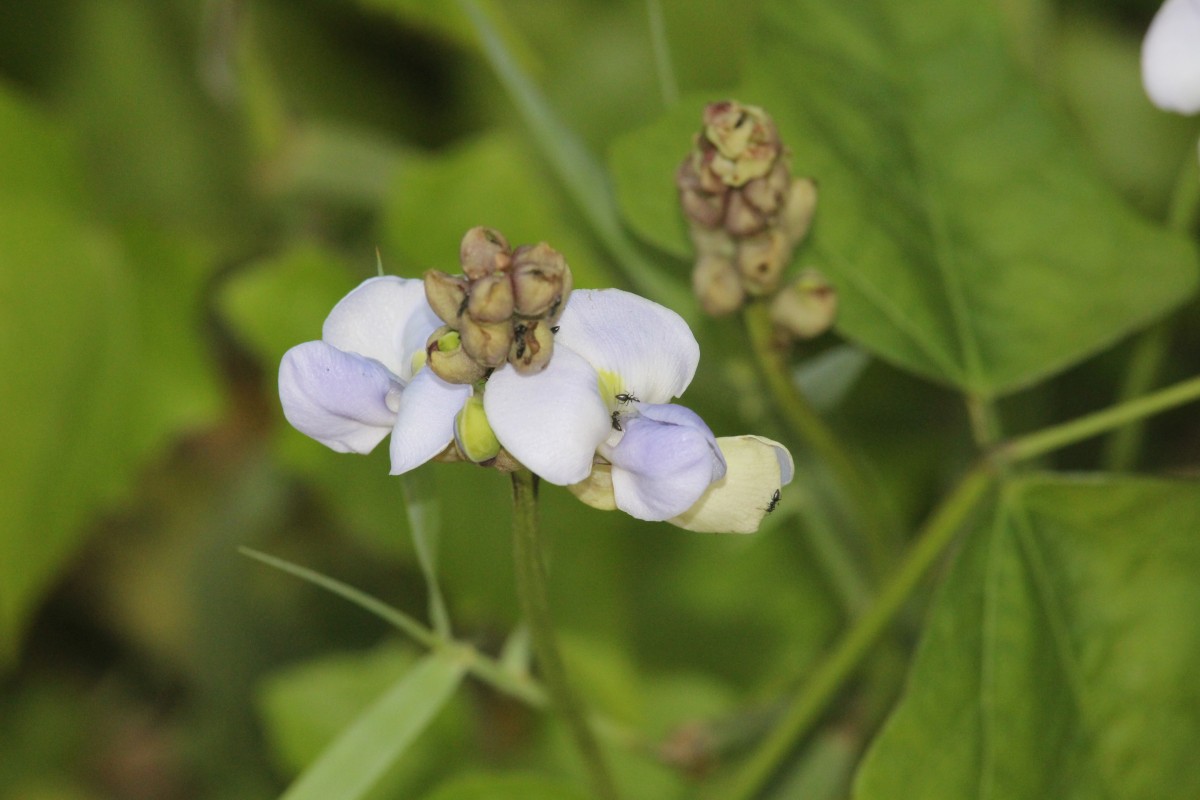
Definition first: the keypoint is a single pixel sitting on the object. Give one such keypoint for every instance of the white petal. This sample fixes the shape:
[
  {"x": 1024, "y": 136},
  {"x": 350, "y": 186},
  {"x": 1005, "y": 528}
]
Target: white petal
[
  {"x": 664, "y": 463},
  {"x": 756, "y": 469},
  {"x": 342, "y": 400},
  {"x": 1171, "y": 57},
  {"x": 385, "y": 318},
  {"x": 425, "y": 422},
  {"x": 649, "y": 346},
  {"x": 553, "y": 421}
]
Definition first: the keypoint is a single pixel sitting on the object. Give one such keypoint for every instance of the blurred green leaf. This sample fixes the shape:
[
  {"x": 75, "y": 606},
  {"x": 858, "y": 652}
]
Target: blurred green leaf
[
  {"x": 506, "y": 787},
  {"x": 102, "y": 355},
  {"x": 281, "y": 301},
  {"x": 157, "y": 147},
  {"x": 492, "y": 180},
  {"x": 1060, "y": 656},
  {"x": 580, "y": 173},
  {"x": 968, "y": 233},
  {"x": 1137, "y": 145},
  {"x": 643, "y": 165},
  {"x": 363, "y": 752},
  {"x": 970, "y": 237}
]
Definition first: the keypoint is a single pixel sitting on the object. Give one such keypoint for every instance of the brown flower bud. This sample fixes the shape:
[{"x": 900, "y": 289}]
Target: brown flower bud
[
  {"x": 807, "y": 308},
  {"x": 448, "y": 360},
  {"x": 768, "y": 193},
  {"x": 487, "y": 342},
  {"x": 483, "y": 251},
  {"x": 533, "y": 344},
  {"x": 746, "y": 140},
  {"x": 447, "y": 295},
  {"x": 701, "y": 160},
  {"x": 699, "y": 205},
  {"x": 541, "y": 280},
  {"x": 761, "y": 259},
  {"x": 717, "y": 286},
  {"x": 712, "y": 242},
  {"x": 800, "y": 207},
  {"x": 743, "y": 219},
  {"x": 491, "y": 298}
]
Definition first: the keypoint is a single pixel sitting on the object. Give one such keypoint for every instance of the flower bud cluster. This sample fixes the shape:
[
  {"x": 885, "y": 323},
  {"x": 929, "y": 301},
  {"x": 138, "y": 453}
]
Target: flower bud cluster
[
  {"x": 502, "y": 309},
  {"x": 745, "y": 212}
]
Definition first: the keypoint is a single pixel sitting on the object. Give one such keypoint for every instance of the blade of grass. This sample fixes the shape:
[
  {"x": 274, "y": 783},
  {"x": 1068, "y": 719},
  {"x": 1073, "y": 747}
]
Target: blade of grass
[
  {"x": 425, "y": 524},
  {"x": 350, "y": 767}
]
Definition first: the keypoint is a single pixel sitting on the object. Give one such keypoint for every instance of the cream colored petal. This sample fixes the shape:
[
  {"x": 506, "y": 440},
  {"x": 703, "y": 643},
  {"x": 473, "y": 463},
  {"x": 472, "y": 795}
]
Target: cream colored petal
[
  {"x": 596, "y": 490},
  {"x": 757, "y": 468}
]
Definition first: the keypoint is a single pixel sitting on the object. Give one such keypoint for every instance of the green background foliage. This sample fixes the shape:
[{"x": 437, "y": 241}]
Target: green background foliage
[{"x": 187, "y": 188}]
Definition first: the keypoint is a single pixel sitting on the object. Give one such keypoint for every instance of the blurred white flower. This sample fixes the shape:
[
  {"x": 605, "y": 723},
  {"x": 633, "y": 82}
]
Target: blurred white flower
[{"x": 1171, "y": 57}]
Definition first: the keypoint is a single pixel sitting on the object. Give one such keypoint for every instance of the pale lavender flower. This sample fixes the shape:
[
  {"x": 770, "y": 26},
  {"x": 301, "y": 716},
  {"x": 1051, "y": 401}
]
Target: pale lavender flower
[{"x": 358, "y": 383}]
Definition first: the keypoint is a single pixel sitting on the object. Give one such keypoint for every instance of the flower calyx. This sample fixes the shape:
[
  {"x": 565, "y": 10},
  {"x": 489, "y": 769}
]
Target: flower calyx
[
  {"x": 504, "y": 305},
  {"x": 746, "y": 213}
]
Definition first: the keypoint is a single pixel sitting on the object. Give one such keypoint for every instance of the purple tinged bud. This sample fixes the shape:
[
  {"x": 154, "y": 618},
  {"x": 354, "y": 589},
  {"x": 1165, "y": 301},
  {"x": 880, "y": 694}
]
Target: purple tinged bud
[
  {"x": 483, "y": 251},
  {"x": 487, "y": 343},
  {"x": 717, "y": 286},
  {"x": 761, "y": 260},
  {"x": 447, "y": 295},
  {"x": 448, "y": 360},
  {"x": 800, "y": 208},
  {"x": 491, "y": 298},
  {"x": 807, "y": 308},
  {"x": 532, "y": 346},
  {"x": 743, "y": 219},
  {"x": 541, "y": 281}
]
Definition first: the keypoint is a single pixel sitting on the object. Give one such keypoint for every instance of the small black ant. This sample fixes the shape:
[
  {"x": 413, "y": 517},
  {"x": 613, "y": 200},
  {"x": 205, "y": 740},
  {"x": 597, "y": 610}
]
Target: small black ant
[
  {"x": 626, "y": 397},
  {"x": 616, "y": 421},
  {"x": 774, "y": 502},
  {"x": 554, "y": 328}
]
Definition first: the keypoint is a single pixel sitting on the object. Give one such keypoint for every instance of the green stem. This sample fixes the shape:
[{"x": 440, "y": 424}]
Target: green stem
[
  {"x": 985, "y": 422},
  {"x": 583, "y": 177},
  {"x": 482, "y": 667},
  {"x": 1185, "y": 198},
  {"x": 662, "y": 54},
  {"x": 841, "y": 663},
  {"x": 535, "y": 604},
  {"x": 1059, "y": 436},
  {"x": 836, "y": 562},
  {"x": 807, "y": 424},
  {"x": 1150, "y": 350}
]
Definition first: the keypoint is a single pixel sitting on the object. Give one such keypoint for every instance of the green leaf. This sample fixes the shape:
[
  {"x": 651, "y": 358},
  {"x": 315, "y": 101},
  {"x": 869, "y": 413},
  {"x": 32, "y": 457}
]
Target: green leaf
[
  {"x": 492, "y": 180},
  {"x": 1060, "y": 656},
  {"x": 279, "y": 302},
  {"x": 643, "y": 165},
  {"x": 363, "y": 753},
  {"x": 970, "y": 237},
  {"x": 102, "y": 356},
  {"x": 579, "y": 171},
  {"x": 506, "y": 787}
]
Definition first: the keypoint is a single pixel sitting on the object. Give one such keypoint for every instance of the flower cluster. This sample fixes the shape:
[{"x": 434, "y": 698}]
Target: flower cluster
[
  {"x": 596, "y": 417},
  {"x": 745, "y": 212},
  {"x": 501, "y": 309}
]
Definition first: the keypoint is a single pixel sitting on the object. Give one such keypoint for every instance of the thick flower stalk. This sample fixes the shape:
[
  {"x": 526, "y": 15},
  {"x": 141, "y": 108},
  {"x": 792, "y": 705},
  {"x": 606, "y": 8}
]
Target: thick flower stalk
[
  {"x": 596, "y": 417},
  {"x": 746, "y": 213}
]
